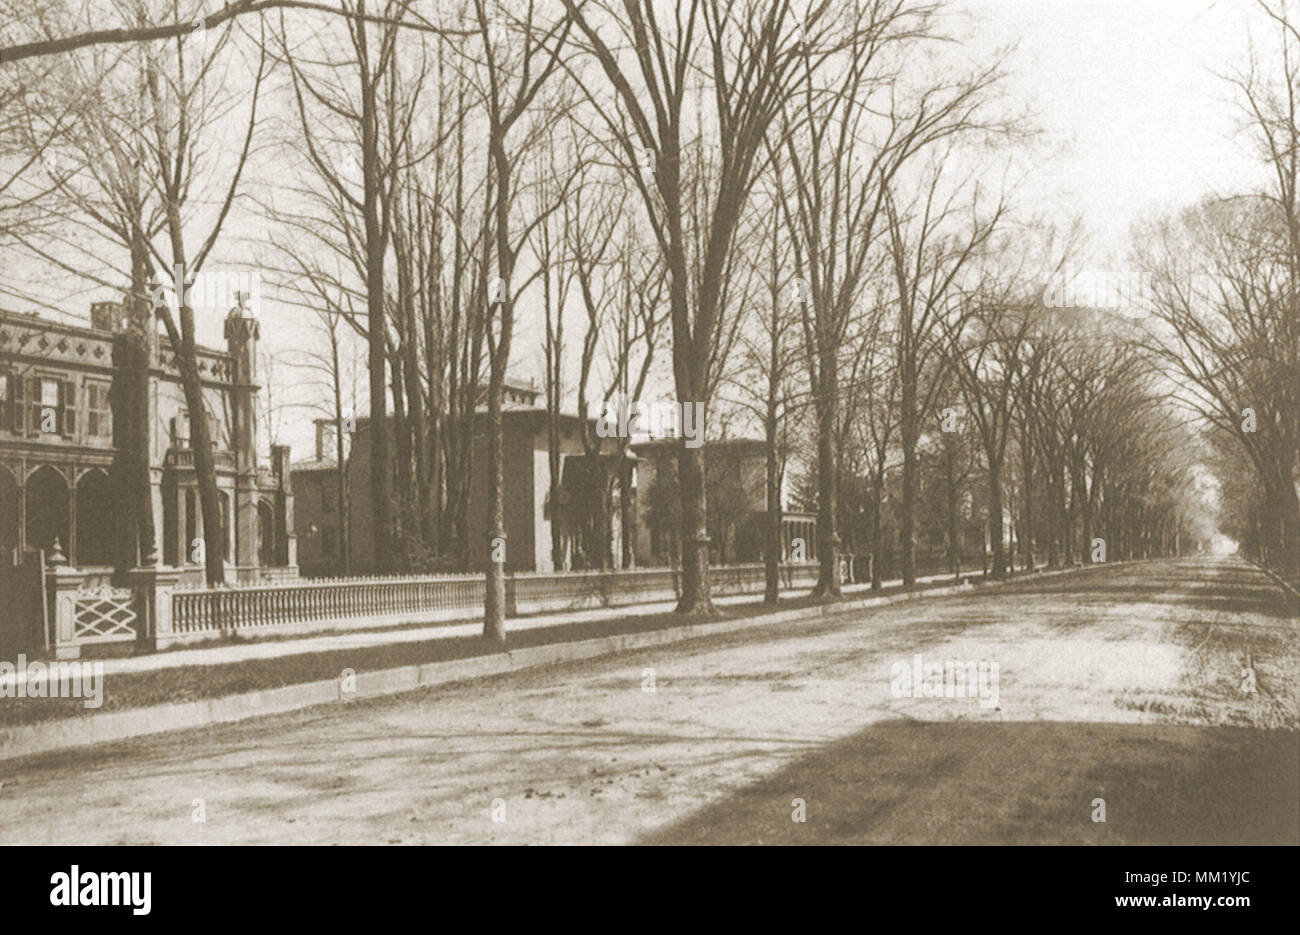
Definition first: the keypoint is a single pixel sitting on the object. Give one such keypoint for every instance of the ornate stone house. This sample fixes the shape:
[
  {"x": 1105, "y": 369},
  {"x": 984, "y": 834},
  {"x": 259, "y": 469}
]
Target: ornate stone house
[{"x": 57, "y": 445}]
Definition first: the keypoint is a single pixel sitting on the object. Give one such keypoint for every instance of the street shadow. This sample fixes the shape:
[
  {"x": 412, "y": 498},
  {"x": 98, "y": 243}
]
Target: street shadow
[
  {"x": 1230, "y": 589},
  {"x": 985, "y": 782}
]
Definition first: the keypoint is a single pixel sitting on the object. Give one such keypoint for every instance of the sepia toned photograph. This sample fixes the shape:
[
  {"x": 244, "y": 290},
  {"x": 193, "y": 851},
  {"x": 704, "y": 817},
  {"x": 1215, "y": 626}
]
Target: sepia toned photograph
[{"x": 650, "y": 422}]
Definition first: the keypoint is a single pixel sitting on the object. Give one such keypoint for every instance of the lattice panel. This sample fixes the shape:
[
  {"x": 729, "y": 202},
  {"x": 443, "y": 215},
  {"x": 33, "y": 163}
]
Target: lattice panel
[{"x": 104, "y": 613}]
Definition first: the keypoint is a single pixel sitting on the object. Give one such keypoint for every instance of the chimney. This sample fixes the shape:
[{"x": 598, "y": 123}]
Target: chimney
[
  {"x": 280, "y": 465},
  {"x": 324, "y": 439},
  {"x": 104, "y": 315}
]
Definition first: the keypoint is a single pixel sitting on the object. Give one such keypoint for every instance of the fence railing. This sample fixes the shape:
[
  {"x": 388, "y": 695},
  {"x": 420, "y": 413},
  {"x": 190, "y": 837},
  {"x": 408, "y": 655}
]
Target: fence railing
[
  {"x": 204, "y": 610},
  {"x": 158, "y": 611},
  {"x": 198, "y": 613}
]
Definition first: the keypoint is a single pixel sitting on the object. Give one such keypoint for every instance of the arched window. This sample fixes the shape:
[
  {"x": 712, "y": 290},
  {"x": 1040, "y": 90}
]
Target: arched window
[
  {"x": 265, "y": 534},
  {"x": 94, "y": 520},
  {"x": 47, "y": 509},
  {"x": 223, "y": 504}
]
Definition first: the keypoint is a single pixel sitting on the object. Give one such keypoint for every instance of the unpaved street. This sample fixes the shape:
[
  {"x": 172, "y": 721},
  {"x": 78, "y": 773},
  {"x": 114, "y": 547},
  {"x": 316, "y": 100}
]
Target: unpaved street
[{"x": 1120, "y": 684}]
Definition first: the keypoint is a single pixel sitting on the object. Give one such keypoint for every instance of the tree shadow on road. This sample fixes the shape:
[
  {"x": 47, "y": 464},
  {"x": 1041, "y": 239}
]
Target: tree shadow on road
[
  {"x": 1231, "y": 590},
  {"x": 968, "y": 782}
]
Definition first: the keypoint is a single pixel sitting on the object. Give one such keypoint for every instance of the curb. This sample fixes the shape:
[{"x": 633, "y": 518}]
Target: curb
[{"x": 46, "y": 737}]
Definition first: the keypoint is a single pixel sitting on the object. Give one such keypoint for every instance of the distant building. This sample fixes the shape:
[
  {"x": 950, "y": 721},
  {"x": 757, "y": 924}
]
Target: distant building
[
  {"x": 57, "y": 444},
  {"x": 736, "y": 489},
  {"x": 529, "y": 514},
  {"x": 643, "y": 527},
  {"x": 318, "y": 525}
]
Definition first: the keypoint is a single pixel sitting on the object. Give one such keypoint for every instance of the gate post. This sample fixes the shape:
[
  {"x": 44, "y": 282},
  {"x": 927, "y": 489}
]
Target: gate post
[
  {"x": 153, "y": 586},
  {"x": 63, "y": 584}
]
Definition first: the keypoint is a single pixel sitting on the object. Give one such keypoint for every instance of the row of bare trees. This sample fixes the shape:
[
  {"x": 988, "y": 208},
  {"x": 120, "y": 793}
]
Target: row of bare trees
[
  {"x": 1225, "y": 291},
  {"x": 789, "y": 207}
]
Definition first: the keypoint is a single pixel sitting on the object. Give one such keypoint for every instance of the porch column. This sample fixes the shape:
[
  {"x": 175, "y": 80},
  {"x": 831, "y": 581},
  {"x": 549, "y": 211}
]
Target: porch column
[
  {"x": 22, "y": 508},
  {"x": 73, "y": 558}
]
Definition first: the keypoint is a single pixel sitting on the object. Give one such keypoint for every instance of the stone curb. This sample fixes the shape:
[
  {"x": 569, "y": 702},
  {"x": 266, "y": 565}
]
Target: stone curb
[{"x": 45, "y": 737}]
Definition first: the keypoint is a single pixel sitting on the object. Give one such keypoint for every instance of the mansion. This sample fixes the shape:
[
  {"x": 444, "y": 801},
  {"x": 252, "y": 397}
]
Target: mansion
[{"x": 58, "y": 439}]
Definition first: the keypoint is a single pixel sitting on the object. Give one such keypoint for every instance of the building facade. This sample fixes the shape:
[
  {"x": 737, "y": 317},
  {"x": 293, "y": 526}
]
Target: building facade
[
  {"x": 735, "y": 479},
  {"x": 57, "y": 446},
  {"x": 640, "y": 523},
  {"x": 530, "y": 516}
]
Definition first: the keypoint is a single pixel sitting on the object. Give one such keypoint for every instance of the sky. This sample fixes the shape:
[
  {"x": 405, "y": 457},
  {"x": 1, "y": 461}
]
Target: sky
[
  {"x": 1133, "y": 117},
  {"x": 1131, "y": 120}
]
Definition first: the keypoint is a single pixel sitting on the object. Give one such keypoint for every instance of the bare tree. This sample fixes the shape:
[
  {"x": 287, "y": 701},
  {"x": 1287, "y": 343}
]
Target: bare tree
[
  {"x": 748, "y": 53},
  {"x": 513, "y": 82},
  {"x": 158, "y": 108},
  {"x": 932, "y": 244}
]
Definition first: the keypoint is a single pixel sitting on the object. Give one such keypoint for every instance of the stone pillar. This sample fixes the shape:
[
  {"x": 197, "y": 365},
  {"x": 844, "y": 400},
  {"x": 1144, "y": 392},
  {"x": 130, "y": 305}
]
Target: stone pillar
[
  {"x": 63, "y": 583},
  {"x": 153, "y": 586},
  {"x": 287, "y": 550},
  {"x": 72, "y": 519},
  {"x": 245, "y": 521},
  {"x": 242, "y": 332}
]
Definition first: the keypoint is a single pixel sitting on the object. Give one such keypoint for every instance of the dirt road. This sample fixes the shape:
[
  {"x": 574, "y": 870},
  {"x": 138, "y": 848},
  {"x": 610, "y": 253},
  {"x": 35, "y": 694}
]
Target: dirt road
[{"x": 1125, "y": 689}]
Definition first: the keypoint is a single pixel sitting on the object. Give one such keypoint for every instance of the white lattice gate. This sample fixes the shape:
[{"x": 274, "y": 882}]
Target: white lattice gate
[
  {"x": 104, "y": 615},
  {"x": 86, "y": 616}
]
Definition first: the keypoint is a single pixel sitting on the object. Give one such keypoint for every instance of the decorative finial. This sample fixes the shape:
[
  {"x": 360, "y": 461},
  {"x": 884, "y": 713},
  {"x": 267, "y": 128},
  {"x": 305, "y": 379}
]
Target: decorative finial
[{"x": 56, "y": 553}]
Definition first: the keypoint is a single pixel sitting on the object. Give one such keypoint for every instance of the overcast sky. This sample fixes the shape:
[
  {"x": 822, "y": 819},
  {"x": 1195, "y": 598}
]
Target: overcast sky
[
  {"x": 1134, "y": 118},
  {"x": 1133, "y": 121}
]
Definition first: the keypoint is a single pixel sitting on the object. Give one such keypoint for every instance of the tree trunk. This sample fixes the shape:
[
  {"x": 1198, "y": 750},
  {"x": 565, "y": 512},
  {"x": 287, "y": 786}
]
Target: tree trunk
[
  {"x": 381, "y": 460},
  {"x": 908, "y": 430},
  {"x": 134, "y": 518},
  {"x": 828, "y": 542},
  {"x": 201, "y": 445},
  {"x": 340, "y": 458},
  {"x": 877, "y": 531},
  {"x": 696, "y": 596},
  {"x": 772, "y": 552},
  {"x": 995, "y": 521},
  {"x": 1026, "y": 472},
  {"x": 494, "y": 623}
]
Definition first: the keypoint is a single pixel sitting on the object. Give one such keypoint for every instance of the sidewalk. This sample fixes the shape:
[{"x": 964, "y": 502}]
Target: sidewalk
[{"x": 354, "y": 639}]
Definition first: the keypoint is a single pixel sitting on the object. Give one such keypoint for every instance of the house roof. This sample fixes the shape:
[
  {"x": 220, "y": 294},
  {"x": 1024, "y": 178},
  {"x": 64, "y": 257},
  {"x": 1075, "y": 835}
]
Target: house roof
[{"x": 313, "y": 464}]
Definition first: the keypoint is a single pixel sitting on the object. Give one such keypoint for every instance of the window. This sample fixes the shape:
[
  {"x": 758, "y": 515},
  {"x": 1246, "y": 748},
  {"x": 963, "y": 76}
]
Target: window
[
  {"x": 99, "y": 414},
  {"x": 7, "y": 380},
  {"x": 181, "y": 434},
  {"x": 53, "y": 407},
  {"x": 181, "y": 430},
  {"x": 191, "y": 525},
  {"x": 14, "y": 391},
  {"x": 69, "y": 400},
  {"x": 45, "y": 406}
]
